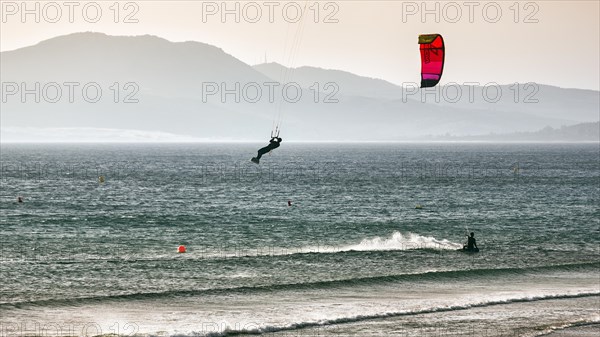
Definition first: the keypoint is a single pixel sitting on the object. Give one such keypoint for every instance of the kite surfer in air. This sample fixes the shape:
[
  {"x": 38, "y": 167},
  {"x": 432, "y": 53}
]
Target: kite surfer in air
[{"x": 273, "y": 144}]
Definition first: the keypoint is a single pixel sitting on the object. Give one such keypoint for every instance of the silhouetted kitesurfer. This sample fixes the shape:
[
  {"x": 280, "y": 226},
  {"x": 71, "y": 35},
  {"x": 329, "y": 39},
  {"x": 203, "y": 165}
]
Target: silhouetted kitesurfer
[
  {"x": 273, "y": 144},
  {"x": 471, "y": 243}
]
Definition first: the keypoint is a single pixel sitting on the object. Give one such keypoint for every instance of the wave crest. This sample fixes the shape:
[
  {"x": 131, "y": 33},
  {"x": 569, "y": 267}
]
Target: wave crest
[{"x": 399, "y": 241}]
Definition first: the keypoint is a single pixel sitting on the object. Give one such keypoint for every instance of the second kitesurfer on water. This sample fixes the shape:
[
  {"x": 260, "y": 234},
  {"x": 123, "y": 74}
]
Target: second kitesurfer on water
[
  {"x": 471, "y": 243},
  {"x": 273, "y": 144}
]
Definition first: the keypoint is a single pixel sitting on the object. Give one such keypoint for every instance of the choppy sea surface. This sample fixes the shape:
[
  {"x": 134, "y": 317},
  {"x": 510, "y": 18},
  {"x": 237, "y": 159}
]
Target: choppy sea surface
[{"x": 368, "y": 246}]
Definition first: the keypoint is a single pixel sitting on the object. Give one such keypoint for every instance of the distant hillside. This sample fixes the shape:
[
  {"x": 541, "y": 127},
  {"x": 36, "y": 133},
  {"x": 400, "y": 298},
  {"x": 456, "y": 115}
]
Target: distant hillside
[
  {"x": 171, "y": 78},
  {"x": 350, "y": 84},
  {"x": 574, "y": 133}
]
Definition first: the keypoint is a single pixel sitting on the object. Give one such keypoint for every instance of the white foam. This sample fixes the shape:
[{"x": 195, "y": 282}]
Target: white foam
[{"x": 399, "y": 241}]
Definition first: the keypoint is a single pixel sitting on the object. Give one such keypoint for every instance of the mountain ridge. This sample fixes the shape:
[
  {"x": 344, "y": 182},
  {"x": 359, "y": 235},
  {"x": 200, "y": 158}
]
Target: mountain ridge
[{"x": 173, "y": 76}]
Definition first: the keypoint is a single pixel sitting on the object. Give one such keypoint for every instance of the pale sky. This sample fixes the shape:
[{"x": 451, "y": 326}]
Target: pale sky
[{"x": 551, "y": 42}]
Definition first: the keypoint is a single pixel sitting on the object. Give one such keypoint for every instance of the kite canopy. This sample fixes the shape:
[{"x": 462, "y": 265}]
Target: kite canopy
[{"x": 432, "y": 59}]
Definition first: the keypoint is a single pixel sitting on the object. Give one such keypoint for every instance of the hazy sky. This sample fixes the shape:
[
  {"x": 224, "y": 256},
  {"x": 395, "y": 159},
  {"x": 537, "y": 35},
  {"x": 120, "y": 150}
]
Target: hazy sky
[{"x": 551, "y": 42}]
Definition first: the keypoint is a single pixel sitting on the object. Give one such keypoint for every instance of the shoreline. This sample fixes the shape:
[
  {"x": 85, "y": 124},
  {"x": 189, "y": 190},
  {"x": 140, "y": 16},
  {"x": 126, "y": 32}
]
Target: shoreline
[{"x": 583, "y": 330}]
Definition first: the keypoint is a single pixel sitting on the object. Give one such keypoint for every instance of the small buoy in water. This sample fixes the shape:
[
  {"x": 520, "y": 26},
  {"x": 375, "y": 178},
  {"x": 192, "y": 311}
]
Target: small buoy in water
[
  {"x": 289, "y": 203},
  {"x": 418, "y": 206},
  {"x": 19, "y": 199},
  {"x": 101, "y": 179},
  {"x": 181, "y": 249}
]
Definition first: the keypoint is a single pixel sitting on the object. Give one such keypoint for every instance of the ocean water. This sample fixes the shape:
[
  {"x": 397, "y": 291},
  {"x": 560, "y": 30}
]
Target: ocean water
[{"x": 352, "y": 256}]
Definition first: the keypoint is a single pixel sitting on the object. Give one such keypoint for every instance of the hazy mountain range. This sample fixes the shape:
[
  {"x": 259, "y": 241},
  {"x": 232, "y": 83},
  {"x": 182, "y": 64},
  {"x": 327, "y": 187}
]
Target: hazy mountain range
[
  {"x": 584, "y": 132},
  {"x": 170, "y": 82}
]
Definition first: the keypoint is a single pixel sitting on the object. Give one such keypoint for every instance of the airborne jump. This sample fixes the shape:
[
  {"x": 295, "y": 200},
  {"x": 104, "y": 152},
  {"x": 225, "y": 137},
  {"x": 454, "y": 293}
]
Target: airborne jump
[{"x": 273, "y": 144}]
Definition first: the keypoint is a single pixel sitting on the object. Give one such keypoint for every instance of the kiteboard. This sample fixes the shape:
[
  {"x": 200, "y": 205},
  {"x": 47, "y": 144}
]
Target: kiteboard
[{"x": 467, "y": 250}]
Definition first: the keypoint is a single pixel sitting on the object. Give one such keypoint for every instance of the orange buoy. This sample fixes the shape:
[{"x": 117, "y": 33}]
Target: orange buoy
[{"x": 181, "y": 249}]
